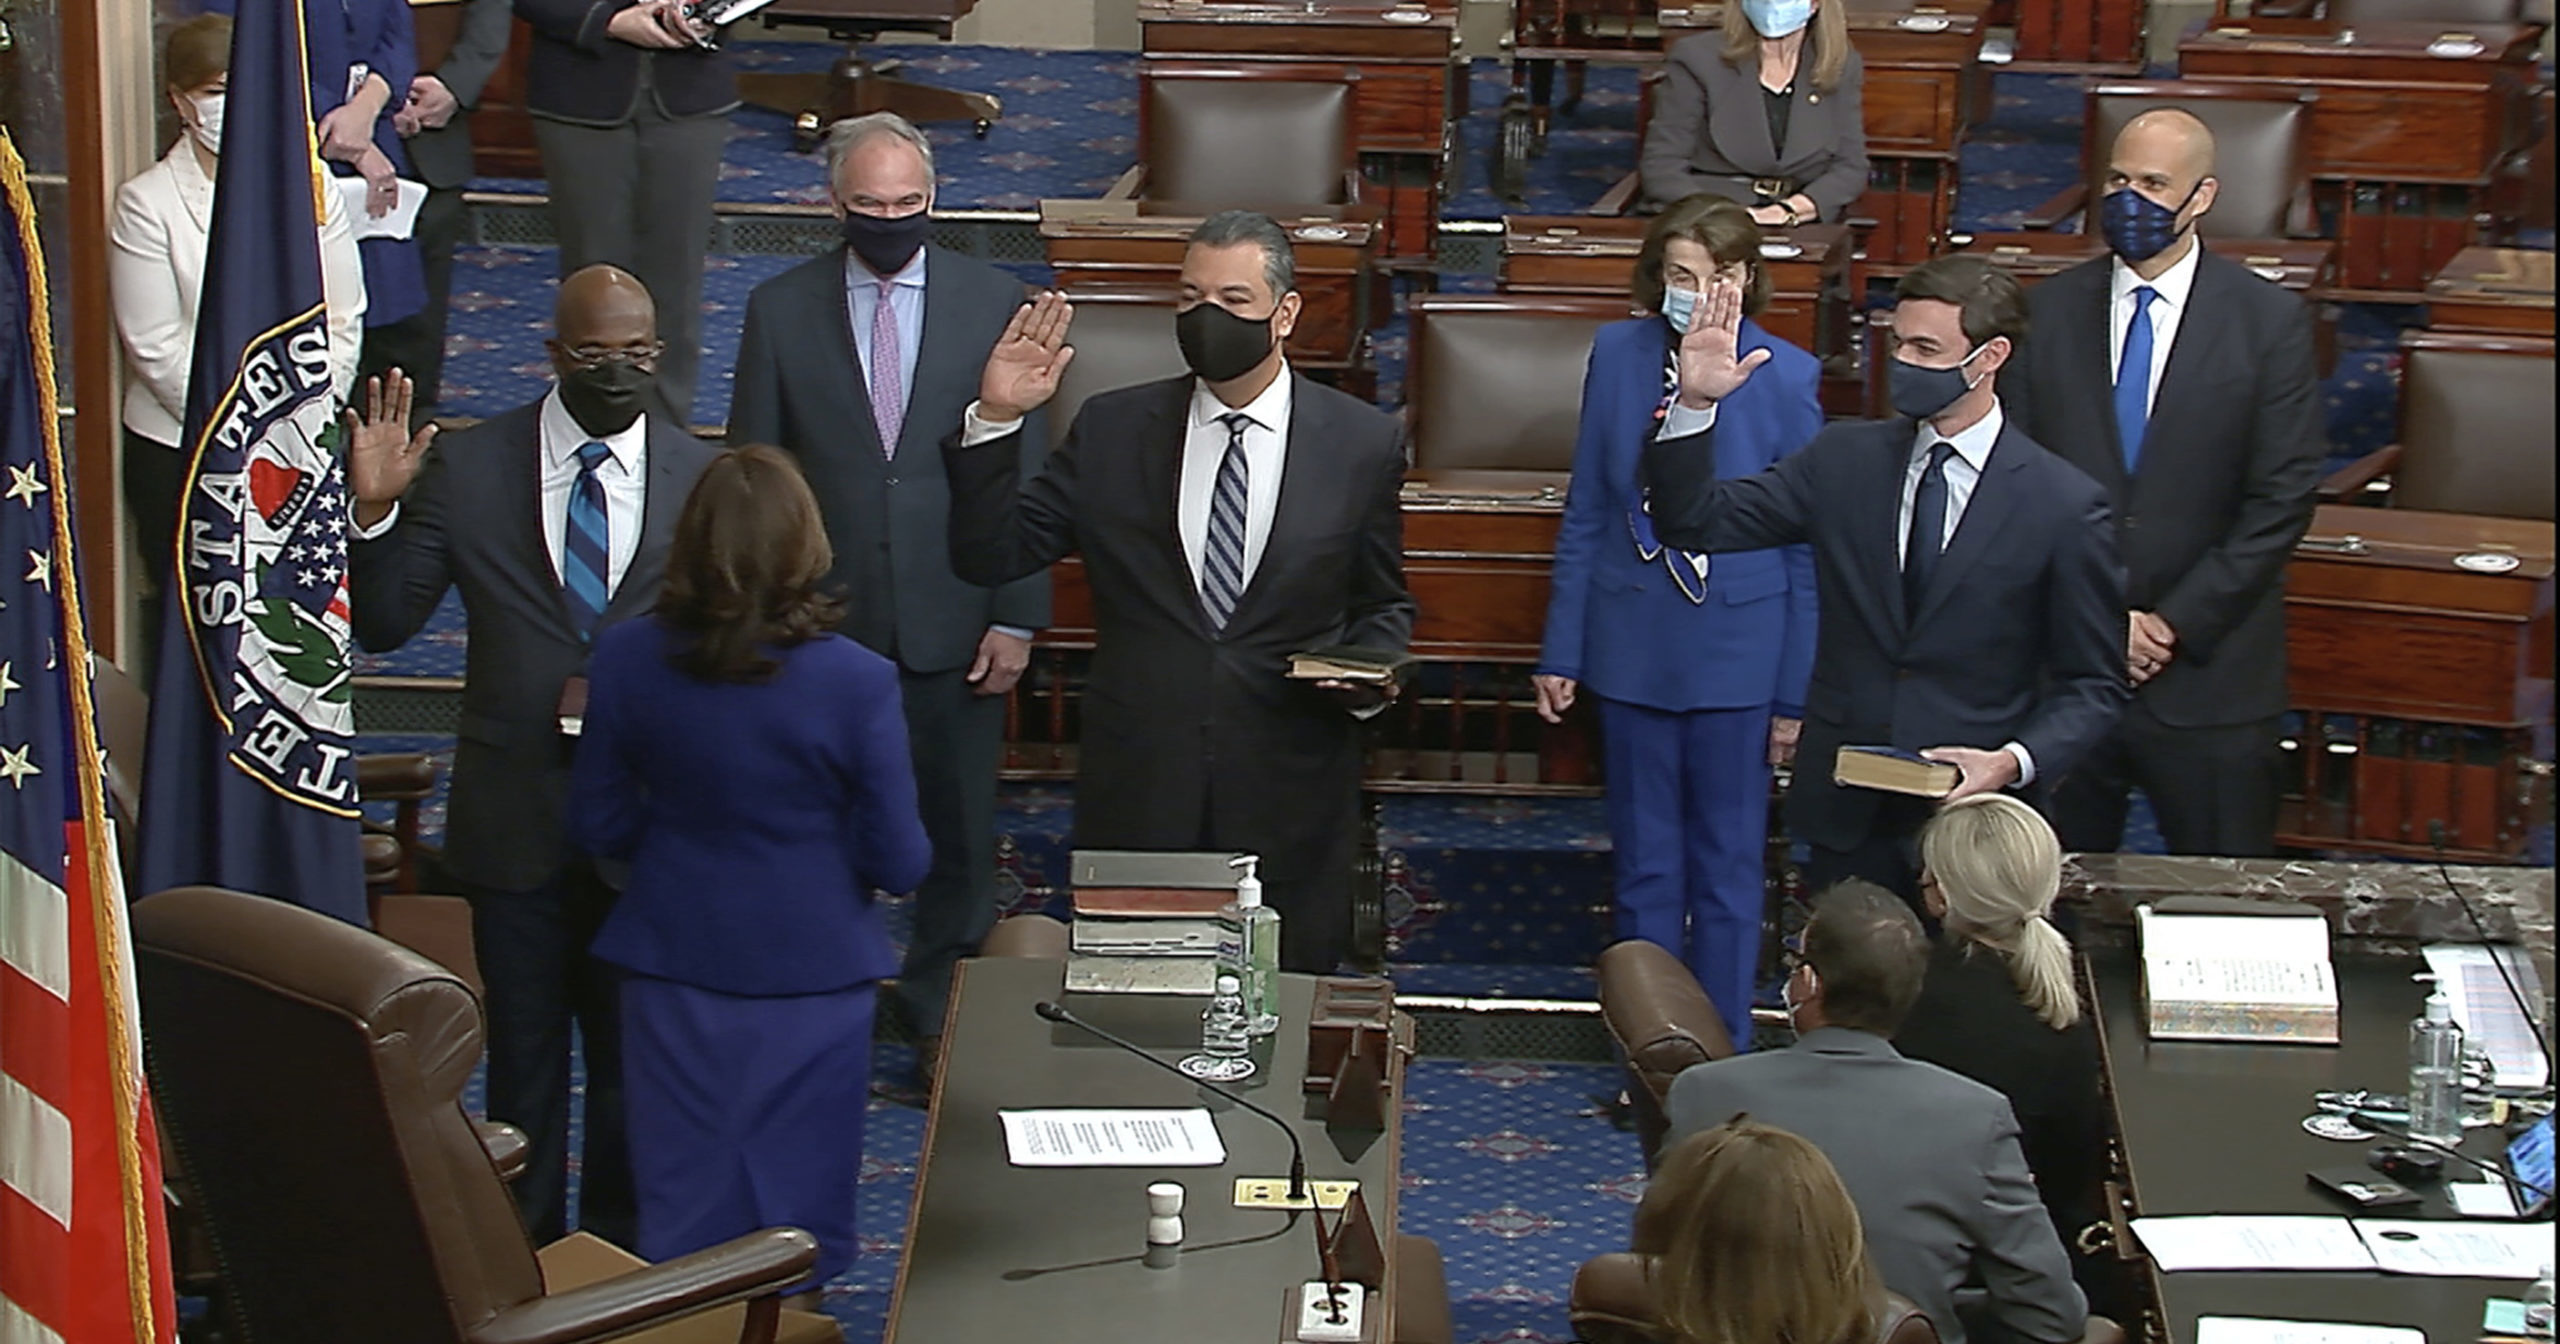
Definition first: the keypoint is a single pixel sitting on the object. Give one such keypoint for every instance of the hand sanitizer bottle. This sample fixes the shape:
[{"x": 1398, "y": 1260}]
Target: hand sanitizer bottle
[
  {"x": 1249, "y": 945},
  {"x": 2435, "y": 1071}
]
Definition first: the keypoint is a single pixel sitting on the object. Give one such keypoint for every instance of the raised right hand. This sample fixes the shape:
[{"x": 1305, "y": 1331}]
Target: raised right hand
[
  {"x": 1023, "y": 370},
  {"x": 382, "y": 455},
  {"x": 1709, "y": 368},
  {"x": 1555, "y": 695}
]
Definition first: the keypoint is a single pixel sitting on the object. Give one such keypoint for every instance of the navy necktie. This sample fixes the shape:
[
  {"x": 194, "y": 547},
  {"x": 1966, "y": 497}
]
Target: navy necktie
[
  {"x": 1928, "y": 527},
  {"x": 587, "y": 544},
  {"x": 1222, "y": 560},
  {"x": 2133, "y": 379}
]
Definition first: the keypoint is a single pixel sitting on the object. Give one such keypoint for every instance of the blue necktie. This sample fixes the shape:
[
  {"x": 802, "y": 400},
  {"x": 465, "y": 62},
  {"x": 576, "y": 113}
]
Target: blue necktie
[
  {"x": 1928, "y": 528},
  {"x": 1222, "y": 560},
  {"x": 588, "y": 542},
  {"x": 2133, "y": 379}
]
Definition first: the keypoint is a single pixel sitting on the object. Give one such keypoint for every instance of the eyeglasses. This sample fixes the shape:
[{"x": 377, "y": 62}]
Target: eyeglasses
[
  {"x": 597, "y": 356},
  {"x": 1791, "y": 956}
]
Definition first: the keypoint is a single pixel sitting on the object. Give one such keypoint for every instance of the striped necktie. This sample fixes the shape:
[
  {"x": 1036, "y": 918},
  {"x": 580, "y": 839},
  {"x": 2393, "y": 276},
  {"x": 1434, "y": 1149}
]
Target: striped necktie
[
  {"x": 587, "y": 544},
  {"x": 1222, "y": 560}
]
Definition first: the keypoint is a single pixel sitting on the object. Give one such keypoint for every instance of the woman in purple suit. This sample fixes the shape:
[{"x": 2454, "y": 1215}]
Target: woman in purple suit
[
  {"x": 751, "y": 768},
  {"x": 1699, "y": 666}
]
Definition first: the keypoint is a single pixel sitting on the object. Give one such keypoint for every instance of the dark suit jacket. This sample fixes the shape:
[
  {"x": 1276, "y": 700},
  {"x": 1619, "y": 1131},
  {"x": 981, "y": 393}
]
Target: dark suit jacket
[
  {"x": 1710, "y": 131},
  {"x": 758, "y": 819},
  {"x": 2019, "y": 638},
  {"x": 1930, "y": 1159},
  {"x": 1189, "y": 728},
  {"x": 2227, "y": 476},
  {"x": 470, "y": 523},
  {"x": 575, "y": 73},
  {"x": 800, "y": 388},
  {"x": 1970, "y": 1020},
  {"x": 442, "y": 155}
]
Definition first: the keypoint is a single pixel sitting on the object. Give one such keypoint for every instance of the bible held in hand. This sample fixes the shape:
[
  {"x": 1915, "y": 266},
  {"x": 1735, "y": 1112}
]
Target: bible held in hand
[
  {"x": 1350, "y": 663},
  {"x": 1894, "y": 771}
]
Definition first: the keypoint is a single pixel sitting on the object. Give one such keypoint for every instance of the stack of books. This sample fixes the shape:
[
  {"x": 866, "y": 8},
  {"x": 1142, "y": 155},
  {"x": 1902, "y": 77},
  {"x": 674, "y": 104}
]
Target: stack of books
[{"x": 1146, "y": 922}]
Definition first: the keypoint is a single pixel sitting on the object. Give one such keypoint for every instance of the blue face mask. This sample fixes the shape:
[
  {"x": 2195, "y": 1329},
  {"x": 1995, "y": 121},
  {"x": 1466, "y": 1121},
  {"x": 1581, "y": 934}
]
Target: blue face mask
[
  {"x": 2139, "y": 228},
  {"x": 1679, "y": 307},
  {"x": 1921, "y": 393},
  {"x": 1777, "y": 18}
]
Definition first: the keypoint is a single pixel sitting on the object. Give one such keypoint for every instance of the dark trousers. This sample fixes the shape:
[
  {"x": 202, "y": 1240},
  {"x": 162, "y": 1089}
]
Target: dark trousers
[
  {"x": 957, "y": 739},
  {"x": 2214, "y": 789},
  {"x": 639, "y": 196},
  {"x": 415, "y": 345},
  {"x": 155, "y": 475},
  {"x": 1888, "y": 856},
  {"x": 533, "y": 958}
]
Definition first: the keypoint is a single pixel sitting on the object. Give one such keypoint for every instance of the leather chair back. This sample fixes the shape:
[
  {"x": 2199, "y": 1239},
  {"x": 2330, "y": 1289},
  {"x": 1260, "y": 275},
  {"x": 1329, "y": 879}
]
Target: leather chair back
[
  {"x": 312, "y": 1074},
  {"x": 1123, "y": 336},
  {"x": 2258, "y": 138},
  {"x": 2475, "y": 425},
  {"x": 1662, "y": 1023},
  {"x": 1613, "y": 1303},
  {"x": 1035, "y": 936},
  {"x": 1220, "y": 136},
  {"x": 1494, "y": 382}
]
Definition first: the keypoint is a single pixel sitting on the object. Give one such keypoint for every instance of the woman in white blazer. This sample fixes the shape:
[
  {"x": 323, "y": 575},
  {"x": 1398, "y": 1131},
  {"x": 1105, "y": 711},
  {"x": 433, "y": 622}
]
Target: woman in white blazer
[{"x": 163, "y": 222}]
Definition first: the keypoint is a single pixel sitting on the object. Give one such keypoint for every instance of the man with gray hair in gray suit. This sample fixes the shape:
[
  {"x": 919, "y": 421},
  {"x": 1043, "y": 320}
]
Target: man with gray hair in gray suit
[
  {"x": 858, "y": 362},
  {"x": 1930, "y": 1157}
]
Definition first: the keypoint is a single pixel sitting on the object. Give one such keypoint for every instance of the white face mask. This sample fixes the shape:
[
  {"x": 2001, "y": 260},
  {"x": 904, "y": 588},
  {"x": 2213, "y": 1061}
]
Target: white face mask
[{"x": 207, "y": 127}]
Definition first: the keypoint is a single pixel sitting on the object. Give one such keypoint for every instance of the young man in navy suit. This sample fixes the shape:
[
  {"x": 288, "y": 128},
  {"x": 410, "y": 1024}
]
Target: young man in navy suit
[{"x": 1972, "y": 606}]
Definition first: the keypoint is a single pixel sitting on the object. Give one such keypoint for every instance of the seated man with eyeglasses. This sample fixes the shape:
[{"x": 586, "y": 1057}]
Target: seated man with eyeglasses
[{"x": 552, "y": 520}]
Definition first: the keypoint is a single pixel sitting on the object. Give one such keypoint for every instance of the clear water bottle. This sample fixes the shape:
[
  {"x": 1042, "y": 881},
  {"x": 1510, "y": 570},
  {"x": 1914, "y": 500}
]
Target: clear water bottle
[
  {"x": 2435, "y": 1072},
  {"x": 1226, "y": 1037},
  {"x": 2537, "y": 1306}
]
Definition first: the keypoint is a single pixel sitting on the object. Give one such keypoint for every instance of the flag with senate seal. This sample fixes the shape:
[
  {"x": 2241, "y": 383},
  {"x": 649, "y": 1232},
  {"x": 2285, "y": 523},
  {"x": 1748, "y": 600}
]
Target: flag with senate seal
[
  {"x": 84, "y": 1249},
  {"x": 250, "y": 778}
]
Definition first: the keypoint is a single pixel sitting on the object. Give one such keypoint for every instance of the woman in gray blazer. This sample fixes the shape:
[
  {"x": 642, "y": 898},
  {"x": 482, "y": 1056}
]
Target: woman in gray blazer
[{"x": 1765, "y": 113}]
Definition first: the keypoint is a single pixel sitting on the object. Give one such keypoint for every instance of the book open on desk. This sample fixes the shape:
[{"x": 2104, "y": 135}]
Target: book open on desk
[
  {"x": 1893, "y": 770},
  {"x": 2221, "y": 975}
]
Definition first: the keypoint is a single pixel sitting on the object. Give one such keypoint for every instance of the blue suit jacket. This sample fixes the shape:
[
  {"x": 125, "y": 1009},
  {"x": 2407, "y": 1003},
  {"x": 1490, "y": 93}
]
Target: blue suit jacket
[
  {"x": 758, "y": 819},
  {"x": 1623, "y": 625}
]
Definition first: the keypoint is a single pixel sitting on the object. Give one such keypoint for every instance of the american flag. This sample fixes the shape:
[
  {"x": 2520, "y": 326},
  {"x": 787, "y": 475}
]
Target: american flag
[{"x": 84, "y": 1253}]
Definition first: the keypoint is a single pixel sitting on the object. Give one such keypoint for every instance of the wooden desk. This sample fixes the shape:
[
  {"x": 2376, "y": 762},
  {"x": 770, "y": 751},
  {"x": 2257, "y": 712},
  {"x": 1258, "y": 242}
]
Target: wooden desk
[
  {"x": 2420, "y": 681},
  {"x": 2494, "y": 290},
  {"x": 1337, "y": 251},
  {"x": 2405, "y": 145},
  {"x": 1404, "y": 56},
  {"x": 1809, "y": 292},
  {"x": 2085, "y": 36},
  {"x": 998, "y": 1252}
]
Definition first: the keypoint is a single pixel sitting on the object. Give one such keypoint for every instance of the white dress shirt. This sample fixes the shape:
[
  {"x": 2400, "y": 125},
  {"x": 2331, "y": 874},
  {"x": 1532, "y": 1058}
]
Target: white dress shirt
[
  {"x": 155, "y": 271},
  {"x": 1963, "y": 472},
  {"x": 2166, "y": 310},
  {"x": 1204, "y": 448}
]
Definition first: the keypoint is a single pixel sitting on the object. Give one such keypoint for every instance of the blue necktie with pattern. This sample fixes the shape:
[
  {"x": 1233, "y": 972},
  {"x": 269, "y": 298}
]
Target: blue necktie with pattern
[
  {"x": 2133, "y": 379},
  {"x": 1222, "y": 560},
  {"x": 587, "y": 544}
]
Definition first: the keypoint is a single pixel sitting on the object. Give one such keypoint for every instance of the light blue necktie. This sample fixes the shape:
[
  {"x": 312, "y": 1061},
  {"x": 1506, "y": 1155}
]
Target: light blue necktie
[
  {"x": 1222, "y": 560},
  {"x": 585, "y": 553},
  {"x": 2133, "y": 379}
]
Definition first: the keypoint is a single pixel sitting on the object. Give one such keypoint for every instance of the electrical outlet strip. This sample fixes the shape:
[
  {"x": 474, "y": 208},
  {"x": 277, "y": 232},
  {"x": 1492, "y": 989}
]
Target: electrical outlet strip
[
  {"x": 1272, "y": 1192},
  {"x": 1315, "y": 1316}
]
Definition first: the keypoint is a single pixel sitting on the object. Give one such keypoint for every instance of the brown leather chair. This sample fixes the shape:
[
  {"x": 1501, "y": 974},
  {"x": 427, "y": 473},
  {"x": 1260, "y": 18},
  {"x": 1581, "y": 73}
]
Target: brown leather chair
[
  {"x": 1422, "y": 1294},
  {"x": 1662, "y": 1023},
  {"x": 1035, "y": 936},
  {"x": 1245, "y": 134},
  {"x": 2259, "y": 156},
  {"x": 311, "y": 1073},
  {"x": 2475, "y": 429},
  {"x": 1494, "y": 382},
  {"x": 1123, "y": 336},
  {"x": 1612, "y": 1303}
]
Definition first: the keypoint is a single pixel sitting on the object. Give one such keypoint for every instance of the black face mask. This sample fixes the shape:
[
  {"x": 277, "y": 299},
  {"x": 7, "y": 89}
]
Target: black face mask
[
  {"x": 605, "y": 399},
  {"x": 886, "y": 245},
  {"x": 1921, "y": 393},
  {"x": 1217, "y": 344}
]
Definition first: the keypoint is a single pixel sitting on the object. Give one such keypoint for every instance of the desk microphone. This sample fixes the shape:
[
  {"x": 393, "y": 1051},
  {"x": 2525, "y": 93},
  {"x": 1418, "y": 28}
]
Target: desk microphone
[{"x": 1058, "y": 1012}]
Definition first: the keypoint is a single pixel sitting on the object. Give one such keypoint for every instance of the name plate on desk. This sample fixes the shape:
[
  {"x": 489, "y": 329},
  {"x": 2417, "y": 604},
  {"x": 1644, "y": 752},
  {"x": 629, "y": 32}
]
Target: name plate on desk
[{"x": 2212, "y": 973}]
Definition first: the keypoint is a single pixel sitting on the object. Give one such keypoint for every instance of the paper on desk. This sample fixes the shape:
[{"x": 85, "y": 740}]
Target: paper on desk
[
  {"x": 2264, "y": 959},
  {"x": 2254, "y": 1330},
  {"x": 1096, "y": 1137},
  {"x": 2481, "y": 1199},
  {"x": 2487, "y": 1009},
  {"x": 2457, "y": 1250},
  {"x": 398, "y": 222},
  {"x": 2228, "y": 1241}
]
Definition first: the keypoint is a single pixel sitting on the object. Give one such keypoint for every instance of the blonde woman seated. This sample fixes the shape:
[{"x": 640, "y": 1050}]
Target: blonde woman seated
[
  {"x": 1755, "y": 1241},
  {"x": 2000, "y": 1004}
]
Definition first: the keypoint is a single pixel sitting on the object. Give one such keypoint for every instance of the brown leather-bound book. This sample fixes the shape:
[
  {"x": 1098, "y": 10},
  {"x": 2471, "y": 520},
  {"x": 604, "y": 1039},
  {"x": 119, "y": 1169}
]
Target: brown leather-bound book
[{"x": 1125, "y": 902}]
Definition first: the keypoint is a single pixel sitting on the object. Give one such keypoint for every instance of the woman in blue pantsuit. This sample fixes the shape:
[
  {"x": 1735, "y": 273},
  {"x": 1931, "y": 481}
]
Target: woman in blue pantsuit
[
  {"x": 751, "y": 767},
  {"x": 1699, "y": 665}
]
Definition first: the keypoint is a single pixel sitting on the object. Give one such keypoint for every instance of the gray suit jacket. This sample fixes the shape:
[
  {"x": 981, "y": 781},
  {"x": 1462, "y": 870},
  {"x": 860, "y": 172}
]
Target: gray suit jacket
[
  {"x": 1930, "y": 1157},
  {"x": 1710, "y": 132},
  {"x": 470, "y": 523},
  {"x": 801, "y": 388},
  {"x": 442, "y": 156}
]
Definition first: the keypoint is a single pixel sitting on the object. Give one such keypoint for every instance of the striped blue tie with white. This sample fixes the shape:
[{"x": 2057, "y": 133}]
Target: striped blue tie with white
[
  {"x": 1222, "y": 560},
  {"x": 587, "y": 543}
]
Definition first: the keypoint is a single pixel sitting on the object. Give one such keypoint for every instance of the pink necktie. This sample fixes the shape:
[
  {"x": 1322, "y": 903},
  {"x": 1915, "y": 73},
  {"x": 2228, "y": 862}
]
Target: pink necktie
[{"x": 888, "y": 405}]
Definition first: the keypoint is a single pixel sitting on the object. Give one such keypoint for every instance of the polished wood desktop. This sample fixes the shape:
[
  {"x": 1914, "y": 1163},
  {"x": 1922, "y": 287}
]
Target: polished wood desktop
[
  {"x": 2206, "y": 1128},
  {"x": 2081, "y": 36},
  {"x": 2492, "y": 290},
  {"x": 999, "y": 1252}
]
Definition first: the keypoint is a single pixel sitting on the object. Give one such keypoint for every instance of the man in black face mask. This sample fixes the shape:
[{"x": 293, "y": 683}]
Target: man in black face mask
[
  {"x": 1972, "y": 608},
  {"x": 552, "y": 521},
  {"x": 1227, "y": 520},
  {"x": 2185, "y": 384},
  {"x": 857, "y": 362}
]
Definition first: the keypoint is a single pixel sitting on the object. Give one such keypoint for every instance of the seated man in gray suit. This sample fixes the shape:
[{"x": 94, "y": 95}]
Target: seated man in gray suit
[{"x": 1931, "y": 1158}]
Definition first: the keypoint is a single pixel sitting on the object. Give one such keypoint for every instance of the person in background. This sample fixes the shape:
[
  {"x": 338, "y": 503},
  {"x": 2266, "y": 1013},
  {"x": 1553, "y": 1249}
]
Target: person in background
[
  {"x": 751, "y": 767},
  {"x": 1699, "y": 666},
  {"x": 155, "y": 272},
  {"x": 435, "y": 120},
  {"x": 1755, "y": 1241},
  {"x": 865, "y": 418},
  {"x": 1765, "y": 113},
  {"x": 2001, "y": 1004}
]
